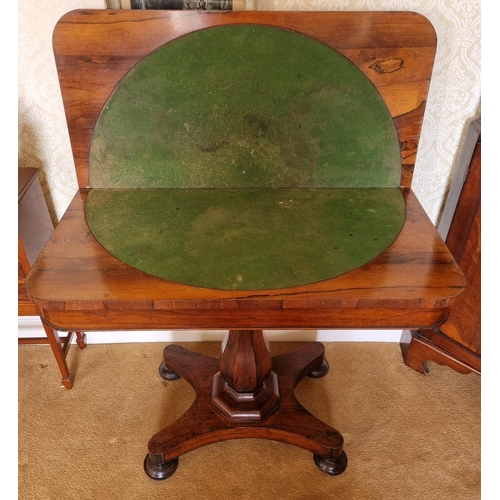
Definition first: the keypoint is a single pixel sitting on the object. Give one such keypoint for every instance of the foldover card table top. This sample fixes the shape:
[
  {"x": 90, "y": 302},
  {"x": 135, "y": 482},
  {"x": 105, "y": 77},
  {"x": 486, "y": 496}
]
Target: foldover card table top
[{"x": 244, "y": 171}]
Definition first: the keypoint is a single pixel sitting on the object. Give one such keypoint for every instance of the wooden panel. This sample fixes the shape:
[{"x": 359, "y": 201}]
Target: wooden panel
[
  {"x": 20, "y": 272},
  {"x": 457, "y": 341},
  {"x": 420, "y": 350},
  {"x": 25, "y": 177},
  {"x": 446, "y": 343},
  {"x": 394, "y": 49},
  {"x": 75, "y": 273},
  {"x": 464, "y": 241},
  {"x": 23, "y": 265},
  {"x": 34, "y": 222},
  {"x": 466, "y": 215},
  {"x": 470, "y": 156},
  {"x": 464, "y": 321},
  {"x": 129, "y": 319},
  {"x": 34, "y": 229}
]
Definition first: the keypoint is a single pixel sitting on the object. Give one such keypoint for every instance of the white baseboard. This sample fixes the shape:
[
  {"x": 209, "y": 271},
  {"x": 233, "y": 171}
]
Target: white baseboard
[{"x": 30, "y": 326}]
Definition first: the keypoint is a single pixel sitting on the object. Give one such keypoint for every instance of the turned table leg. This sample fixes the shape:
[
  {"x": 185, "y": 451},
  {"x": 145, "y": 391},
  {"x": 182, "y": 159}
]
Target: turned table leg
[
  {"x": 60, "y": 348},
  {"x": 59, "y": 352},
  {"x": 244, "y": 394}
]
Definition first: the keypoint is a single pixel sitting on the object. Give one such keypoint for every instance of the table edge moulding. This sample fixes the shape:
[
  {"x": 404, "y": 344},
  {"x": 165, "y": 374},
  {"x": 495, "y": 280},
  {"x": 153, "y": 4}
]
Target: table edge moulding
[{"x": 96, "y": 274}]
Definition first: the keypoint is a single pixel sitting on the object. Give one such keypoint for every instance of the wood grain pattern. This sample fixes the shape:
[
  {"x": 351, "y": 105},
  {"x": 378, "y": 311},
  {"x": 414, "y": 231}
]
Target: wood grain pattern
[
  {"x": 34, "y": 229},
  {"x": 80, "y": 285},
  {"x": 420, "y": 350},
  {"x": 290, "y": 423},
  {"x": 464, "y": 321},
  {"x": 410, "y": 284},
  {"x": 95, "y": 49},
  {"x": 457, "y": 341}
]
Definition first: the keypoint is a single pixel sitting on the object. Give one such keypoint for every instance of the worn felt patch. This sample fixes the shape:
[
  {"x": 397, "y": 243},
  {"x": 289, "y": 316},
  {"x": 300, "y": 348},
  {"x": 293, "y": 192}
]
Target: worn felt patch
[
  {"x": 245, "y": 239},
  {"x": 245, "y": 106}
]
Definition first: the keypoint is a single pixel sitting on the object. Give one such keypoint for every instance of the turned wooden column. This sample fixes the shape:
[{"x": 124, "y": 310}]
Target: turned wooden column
[{"x": 245, "y": 389}]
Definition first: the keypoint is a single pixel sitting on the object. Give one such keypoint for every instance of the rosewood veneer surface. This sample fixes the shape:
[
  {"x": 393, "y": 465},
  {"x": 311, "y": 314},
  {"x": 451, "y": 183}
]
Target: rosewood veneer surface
[{"x": 80, "y": 285}]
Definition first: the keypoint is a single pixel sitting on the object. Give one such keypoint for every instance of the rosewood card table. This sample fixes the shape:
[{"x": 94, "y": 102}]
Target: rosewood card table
[{"x": 244, "y": 171}]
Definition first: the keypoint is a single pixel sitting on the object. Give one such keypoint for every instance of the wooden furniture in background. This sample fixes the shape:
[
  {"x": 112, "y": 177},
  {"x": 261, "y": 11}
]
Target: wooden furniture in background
[
  {"x": 457, "y": 342},
  {"x": 34, "y": 229},
  {"x": 79, "y": 285}
]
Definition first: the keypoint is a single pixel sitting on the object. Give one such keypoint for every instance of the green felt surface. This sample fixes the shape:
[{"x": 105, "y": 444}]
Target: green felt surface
[
  {"x": 245, "y": 239},
  {"x": 283, "y": 116},
  {"x": 244, "y": 106}
]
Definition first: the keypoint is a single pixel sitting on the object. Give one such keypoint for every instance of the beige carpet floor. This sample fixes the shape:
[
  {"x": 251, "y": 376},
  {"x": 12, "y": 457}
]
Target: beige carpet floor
[{"x": 407, "y": 436}]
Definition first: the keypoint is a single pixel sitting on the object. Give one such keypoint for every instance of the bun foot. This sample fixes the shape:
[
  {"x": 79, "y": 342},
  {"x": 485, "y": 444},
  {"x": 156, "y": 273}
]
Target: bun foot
[
  {"x": 332, "y": 467},
  {"x": 157, "y": 468},
  {"x": 320, "y": 371},
  {"x": 167, "y": 373}
]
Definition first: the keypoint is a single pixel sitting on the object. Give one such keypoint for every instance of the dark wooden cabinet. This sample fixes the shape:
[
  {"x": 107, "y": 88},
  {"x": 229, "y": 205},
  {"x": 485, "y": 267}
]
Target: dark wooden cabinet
[
  {"x": 457, "y": 342},
  {"x": 33, "y": 231}
]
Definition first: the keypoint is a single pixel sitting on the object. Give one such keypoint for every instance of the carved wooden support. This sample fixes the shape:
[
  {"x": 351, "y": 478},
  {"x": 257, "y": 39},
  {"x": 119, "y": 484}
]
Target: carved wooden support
[
  {"x": 255, "y": 412},
  {"x": 432, "y": 345},
  {"x": 245, "y": 389}
]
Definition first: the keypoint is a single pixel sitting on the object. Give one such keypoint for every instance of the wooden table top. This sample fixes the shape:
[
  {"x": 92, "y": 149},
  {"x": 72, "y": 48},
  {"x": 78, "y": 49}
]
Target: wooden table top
[
  {"x": 79, "y": 285},
  {"x": 415, "y": 274},
  {"x": 239, "y": 157}
]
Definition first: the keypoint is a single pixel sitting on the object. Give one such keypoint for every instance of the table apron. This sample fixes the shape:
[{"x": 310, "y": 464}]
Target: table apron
[{"x": 338, "y": 318}]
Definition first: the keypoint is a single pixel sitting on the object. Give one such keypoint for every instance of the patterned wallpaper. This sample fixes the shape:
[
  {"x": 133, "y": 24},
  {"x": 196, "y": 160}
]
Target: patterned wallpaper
[
  {"x": 43, "y": 136},
  {"x": 454, "y": 97}
]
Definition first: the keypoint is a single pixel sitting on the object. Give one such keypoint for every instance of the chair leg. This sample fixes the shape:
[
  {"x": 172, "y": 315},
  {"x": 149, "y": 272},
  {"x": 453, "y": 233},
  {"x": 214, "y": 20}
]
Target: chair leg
[
  {"x": 60, "y": 346},
  {"x": 81, "y": 340},
  {"x": 60, "y": 353}
]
